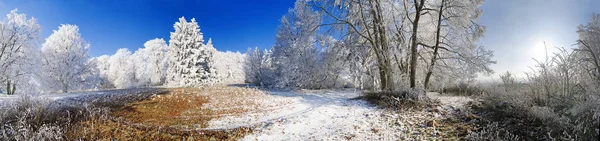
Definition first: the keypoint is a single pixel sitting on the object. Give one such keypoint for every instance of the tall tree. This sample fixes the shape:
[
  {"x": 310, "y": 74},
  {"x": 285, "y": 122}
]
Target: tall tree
[
  {"x": 419, "y": 7},
  {"x": 456, "y": 36},
  {"x": 190, "y": 61},
  {"x": 374, "y": 22},
  {"x": 589, "y": 46},
  {"x": 122, "y": 69},
  {"x": 156, "y": 50},
  {"x": 294, "y": 53},
  {"x": 18, "y": 51},
  {"x": 66, "y": 56}
]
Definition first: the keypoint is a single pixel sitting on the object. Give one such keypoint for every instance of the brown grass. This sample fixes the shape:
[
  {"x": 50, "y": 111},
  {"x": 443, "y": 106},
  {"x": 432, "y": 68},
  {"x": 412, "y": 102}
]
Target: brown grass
[
  {"x": 179, "y": 114},
  {"x": 180, "y": 107}
]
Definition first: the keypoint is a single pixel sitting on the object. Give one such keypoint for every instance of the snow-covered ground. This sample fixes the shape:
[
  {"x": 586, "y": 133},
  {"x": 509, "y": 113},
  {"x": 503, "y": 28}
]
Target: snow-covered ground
[
  {"x": 79, "y": 96},
  {"x": 330, "y": 115}
]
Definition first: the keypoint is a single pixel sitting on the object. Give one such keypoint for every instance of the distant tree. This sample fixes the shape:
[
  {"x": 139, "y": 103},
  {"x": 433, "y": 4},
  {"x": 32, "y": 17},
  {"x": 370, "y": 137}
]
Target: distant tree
[
  {"x": 191, "y": 62},
  {"x": 230, "y": 66},
  {"x": 66, "y": 57},
  {"x": 122, "y": 70},
  {"x": 156, "y": 50},
  {"x": 19, "y": 53},
  {"x": 140, "y": 62},
  {"x": 252, "y": 65},
  {"x": 103, "y": 66}
]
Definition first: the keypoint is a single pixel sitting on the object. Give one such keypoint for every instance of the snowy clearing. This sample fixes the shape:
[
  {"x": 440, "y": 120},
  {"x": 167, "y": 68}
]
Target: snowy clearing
[{"x": 331, "y": 115}]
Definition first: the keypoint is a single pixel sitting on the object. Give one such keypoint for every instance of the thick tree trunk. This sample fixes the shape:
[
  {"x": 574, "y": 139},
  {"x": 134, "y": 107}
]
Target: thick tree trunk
[{"x": 435, "y": 49}]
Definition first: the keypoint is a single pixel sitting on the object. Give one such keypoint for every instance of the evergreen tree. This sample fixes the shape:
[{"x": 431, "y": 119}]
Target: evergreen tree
[{"x": 190, "y": 61}]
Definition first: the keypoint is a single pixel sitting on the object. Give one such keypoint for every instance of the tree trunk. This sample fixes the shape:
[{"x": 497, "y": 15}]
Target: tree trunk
[
  {"x": 436, "y": 47},
  {"x": 413, "y": 47}
]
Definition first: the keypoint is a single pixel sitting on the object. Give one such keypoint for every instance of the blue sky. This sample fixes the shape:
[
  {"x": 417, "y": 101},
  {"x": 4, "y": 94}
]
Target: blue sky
[
  {"x": 111, "y": 24},
  {"x": 516, "y": 29}
]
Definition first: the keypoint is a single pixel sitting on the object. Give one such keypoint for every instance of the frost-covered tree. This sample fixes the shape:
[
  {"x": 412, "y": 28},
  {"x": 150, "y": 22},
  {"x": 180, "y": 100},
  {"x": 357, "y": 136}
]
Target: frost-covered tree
[
  {"x": 453, "y": 47},
  {"x": 230, "y": 66},
  {"x": 589, "y": 46},
  {"x": 379, "y": 28},
  {"x": 252, "y": 65},
  {"x": 140, "y": 62},
  {"x": 156, "y": 50},
  {"x": 66, "y": 57},
  {"x": 295, "y": 56},
  {"x": 19, "y": 55},
  {"x": 121, "y": 71},
  {"x": 191, "y": 62},
  {"x": 145, "y": 67},
  {"x": 102, "y": 66}
]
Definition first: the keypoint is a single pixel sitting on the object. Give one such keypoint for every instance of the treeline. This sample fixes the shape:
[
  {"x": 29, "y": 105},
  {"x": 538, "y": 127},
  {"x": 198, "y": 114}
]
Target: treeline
[
  {"x": 374, "y": 44},
  {"x": 63, "y": 63}
]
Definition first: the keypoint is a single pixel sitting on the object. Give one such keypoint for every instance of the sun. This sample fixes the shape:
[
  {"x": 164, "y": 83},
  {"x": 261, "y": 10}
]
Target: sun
[{"x": 541, "y": 49}]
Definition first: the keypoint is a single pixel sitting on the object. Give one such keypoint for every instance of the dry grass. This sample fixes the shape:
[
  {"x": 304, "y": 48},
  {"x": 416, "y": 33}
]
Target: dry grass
[
  {"x": 179, "y": 114},
  {"x": 180, "y": 107}
]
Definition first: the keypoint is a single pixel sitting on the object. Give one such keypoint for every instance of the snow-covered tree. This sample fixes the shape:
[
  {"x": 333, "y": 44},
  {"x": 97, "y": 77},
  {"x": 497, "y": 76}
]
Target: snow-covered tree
[
  {"x": 122, "y": 70},
  {"x": 66, "y": 57},
  {"x": 455, "y": 42},
  {"x": 102, "y": 66},
  {"x": 295, "y": 56},
  {"x": 230, "y": 66},
  {"x": 252, "y": 65},
  {"x": 156, "y": 50},
  {"x": 140, "y": 62},
  {"x": 589, "y": 46},
  {"x": 19, "y": 55},
  {"x": 191, "y": 62},
  {"x": 145, "y": 67}
]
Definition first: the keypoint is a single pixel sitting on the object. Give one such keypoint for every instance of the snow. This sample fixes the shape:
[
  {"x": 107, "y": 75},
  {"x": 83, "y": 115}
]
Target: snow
[
  {"x": 329, "y": 115},
  {"x": 332, "y": 115},
  {"x": 73, "y": 97}
]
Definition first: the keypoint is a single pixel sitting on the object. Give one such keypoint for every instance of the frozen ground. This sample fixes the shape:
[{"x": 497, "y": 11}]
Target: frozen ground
[
  {"x": 306, "y": 115},
  {"x": 331, "y": 115},
  {"x": 80, "y": 97}
]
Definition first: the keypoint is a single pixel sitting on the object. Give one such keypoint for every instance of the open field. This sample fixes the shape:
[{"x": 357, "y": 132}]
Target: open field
[{"x": 232, "y": 113}]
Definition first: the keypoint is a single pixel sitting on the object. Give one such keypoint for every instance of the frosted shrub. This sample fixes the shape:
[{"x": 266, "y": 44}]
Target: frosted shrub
[
  {"x": 23, "y": 120},
  {"x": 492, "y": 132}
]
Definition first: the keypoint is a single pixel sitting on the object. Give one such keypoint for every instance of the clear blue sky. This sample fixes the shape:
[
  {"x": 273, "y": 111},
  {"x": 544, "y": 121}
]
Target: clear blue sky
[
  {"x": 516, "y": 29},
  {"x": 111, "y": 24}
]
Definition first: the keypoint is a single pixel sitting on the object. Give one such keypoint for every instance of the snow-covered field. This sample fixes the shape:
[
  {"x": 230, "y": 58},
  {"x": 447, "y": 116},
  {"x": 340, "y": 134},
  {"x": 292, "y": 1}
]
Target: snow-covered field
[{"x": 329, "y": 115}]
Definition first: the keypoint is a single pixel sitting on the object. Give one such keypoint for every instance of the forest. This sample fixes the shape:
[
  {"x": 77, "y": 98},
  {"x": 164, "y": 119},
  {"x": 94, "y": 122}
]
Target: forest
[{"x": 338, "y": 70}]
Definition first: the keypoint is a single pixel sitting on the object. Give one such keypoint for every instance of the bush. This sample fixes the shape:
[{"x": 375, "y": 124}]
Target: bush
[
  {"x": 463, "y": 89},
  {"x": 398, "y": 100},
  {"x": 492, "y": 132}
]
